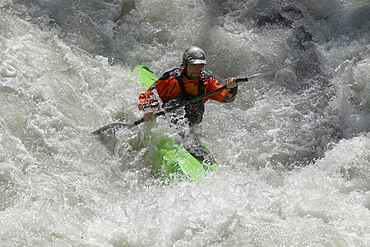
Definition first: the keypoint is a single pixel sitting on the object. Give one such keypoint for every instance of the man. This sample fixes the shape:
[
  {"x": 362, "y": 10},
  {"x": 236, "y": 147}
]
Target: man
[{"x": 182, "y": 84}]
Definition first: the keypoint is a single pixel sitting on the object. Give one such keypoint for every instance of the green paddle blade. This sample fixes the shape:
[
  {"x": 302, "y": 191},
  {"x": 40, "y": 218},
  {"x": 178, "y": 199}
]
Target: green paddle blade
[{"x": 147, "y": 77}]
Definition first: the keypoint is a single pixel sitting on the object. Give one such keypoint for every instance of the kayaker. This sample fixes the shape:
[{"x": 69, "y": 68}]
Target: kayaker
[{"x": 185, "y": 83}]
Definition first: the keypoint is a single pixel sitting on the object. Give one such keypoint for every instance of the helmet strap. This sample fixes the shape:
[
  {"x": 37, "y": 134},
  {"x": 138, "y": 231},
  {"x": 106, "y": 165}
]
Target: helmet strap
[{"x": 185, "y": 65}]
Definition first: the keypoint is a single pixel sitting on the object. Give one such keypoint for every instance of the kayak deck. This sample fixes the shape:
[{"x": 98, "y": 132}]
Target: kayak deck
[{"x": 172, "y": 161}]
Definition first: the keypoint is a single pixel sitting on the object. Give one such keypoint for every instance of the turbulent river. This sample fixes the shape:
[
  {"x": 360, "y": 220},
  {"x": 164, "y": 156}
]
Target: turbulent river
[{"x": 293, "y": 149}]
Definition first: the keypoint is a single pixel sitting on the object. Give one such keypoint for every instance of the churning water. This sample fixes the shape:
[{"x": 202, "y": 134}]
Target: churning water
[{"x": 293, "y": 149}]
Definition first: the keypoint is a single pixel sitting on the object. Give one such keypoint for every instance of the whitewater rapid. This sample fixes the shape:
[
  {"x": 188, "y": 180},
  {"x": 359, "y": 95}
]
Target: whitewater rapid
[{"x": 293, "y": 149}]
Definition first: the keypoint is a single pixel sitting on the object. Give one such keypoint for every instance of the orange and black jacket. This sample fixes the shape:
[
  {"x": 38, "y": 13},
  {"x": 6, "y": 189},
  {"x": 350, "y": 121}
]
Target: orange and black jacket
[{"x": 176, "y": 85}]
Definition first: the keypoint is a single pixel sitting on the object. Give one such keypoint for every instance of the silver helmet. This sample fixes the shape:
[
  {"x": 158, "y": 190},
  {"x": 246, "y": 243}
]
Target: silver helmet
[{"x": 194, "y": 55}]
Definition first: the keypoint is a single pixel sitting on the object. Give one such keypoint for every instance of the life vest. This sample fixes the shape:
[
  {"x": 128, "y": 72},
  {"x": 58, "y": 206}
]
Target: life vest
[{"x": 193, "y": 112}]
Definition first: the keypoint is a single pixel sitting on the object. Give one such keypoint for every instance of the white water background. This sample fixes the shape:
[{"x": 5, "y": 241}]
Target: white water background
[{"x": 293, "y": 149}]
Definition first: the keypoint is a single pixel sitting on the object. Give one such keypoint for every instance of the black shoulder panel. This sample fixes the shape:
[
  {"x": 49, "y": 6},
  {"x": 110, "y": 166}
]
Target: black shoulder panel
[{"x": 175, "y": 72}]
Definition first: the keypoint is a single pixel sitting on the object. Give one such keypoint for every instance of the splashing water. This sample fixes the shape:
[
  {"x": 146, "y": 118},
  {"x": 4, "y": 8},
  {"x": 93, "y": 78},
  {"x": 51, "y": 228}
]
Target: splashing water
[{"x": 293, "y": 149}]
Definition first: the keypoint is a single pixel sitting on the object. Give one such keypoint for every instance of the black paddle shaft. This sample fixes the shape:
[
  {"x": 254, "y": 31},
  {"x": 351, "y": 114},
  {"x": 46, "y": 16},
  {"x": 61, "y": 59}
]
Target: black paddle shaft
[{"x": 188, "y": 102}]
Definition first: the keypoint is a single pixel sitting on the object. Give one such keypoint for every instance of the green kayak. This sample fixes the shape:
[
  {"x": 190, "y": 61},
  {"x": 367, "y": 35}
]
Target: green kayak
[{"x": 170, "y": 159}]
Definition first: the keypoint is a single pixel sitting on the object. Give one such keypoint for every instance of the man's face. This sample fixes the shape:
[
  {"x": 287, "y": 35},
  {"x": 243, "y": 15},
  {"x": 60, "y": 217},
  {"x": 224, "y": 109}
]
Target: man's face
[{"x": 193, "y": 71}]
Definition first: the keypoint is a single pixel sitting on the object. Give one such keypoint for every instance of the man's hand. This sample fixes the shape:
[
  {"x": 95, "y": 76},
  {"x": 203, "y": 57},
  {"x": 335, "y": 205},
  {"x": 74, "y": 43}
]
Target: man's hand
[
  {"x": 149, "y": 115},
  {"x": 231, "y": 82}
]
